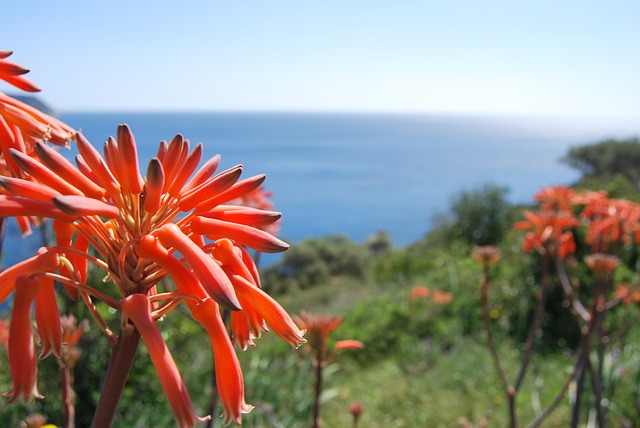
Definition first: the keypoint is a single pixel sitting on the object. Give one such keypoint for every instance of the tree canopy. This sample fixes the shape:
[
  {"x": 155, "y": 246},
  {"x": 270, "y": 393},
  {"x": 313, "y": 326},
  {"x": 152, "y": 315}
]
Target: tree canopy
[{"x": 607, "y": 158}]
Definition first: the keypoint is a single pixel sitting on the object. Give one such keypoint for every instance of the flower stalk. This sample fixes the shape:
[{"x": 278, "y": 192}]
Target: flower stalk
[{"x": 115, "y": 379}]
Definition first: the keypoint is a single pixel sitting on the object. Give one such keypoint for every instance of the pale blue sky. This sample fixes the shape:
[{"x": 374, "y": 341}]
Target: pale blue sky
[{"x": 517, "y": 57}]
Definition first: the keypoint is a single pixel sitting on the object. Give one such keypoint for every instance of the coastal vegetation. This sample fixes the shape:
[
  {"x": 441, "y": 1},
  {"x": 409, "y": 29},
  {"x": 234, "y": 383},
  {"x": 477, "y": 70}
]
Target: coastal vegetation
[{"x": 417, "y": 311}]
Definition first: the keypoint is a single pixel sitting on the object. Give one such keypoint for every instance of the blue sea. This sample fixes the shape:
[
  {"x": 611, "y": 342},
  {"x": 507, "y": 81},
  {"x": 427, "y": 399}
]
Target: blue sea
[{"x": 356, "y": 174}]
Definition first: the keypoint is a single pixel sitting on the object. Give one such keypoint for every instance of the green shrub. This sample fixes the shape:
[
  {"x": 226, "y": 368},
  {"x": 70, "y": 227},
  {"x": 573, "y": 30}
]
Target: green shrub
[{"x": 316, "y": 261}]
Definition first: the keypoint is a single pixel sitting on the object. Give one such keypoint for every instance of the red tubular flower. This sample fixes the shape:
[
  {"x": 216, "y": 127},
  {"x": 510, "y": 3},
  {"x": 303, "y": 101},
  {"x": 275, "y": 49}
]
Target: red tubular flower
[
  {"x": 22, "y": 352},
  {"x": 274, "y": 315},
  {"x": 612, "y": 221},
  {"x": 44, "y": 261},
  {"x": 252, "y": 238},
  {"x": 486, "y": 255},
  {"x": 319, "y": 328},
  {"x": 138, "y": 309},
  {"x": 419, "y": 292},
  {"x": 13, "y": 74},
  {"x": 556, "y": 198},
  {"x": 204, "y": 267},
  {"x": 34, "y": 125},
  {"x": 548, "y": 232},
  {"x": 229, "y": 378},
  {"x": 349, "y": 344},
  {"x": 48, "y": 319},
  {"x": 602, "y": 263},
  {"x": 260, "y": 199},
  {"x": 442, "y": 297},
  {"x": 134, "y": 228},
  {"x": 627, "y": 294}
]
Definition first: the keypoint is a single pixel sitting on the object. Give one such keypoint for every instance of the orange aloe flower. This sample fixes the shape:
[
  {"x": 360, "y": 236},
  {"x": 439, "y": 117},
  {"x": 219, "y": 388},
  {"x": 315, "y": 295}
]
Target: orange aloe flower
[
  {"x": 21, "y": 127},
  {"x": 172, "y": 223},
  {"x": 22, "y": 353},
  {"x": 319, "y": 329},
  {"x": 260, "y": 199},
  {"x": 349, "y": 344},
  {"x": 138, "y": 308},
  {"x": 486, "y": 255},
  {"x": 31, "y": 124},
  {"x": 612, "y": 221},
  {"x": 548, "y": 233},
  {"x": 13, "y": 73},
  {"x": 602, "y": 263},
  {"x": 627, "y": 294},
  {"x": 442, "y": 297},
  {"x": 556, "y": 198},
  {"x": 419, "y": 292}
]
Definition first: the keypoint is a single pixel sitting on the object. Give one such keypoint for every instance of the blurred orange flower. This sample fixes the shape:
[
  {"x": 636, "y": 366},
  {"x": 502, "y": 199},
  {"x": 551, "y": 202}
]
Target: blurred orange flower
[
  {"x": 556, "y": 198},
  {"x": 442, "y": 297},
  {"x": 627, "y": 294},
  {"x": 486, "y": 255},
  {"x": 4, "y": 333},
  {"x": 419, "y": 292},
  {"x": 548, "y": 232}
]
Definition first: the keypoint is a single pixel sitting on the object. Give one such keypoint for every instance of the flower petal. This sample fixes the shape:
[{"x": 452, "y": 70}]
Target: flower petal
[
  {"x": 215, "y": 185},
  {"x": 245, "y": 186},
  {"x": 47, "y": 261},
  {"x": 229, "y": 378},
  {"x": 44, "y": 174},
  {"x": 129, "y": 159},
  {"x": 48, "y": 319},
  {"x": 67, "y": 171},
  {"x": 22, "y": 353},
  {"x": 138, "y": 309},
  {"x": 208, "y": 272},
  {"x": 276, "y": 317},
  {"x": 79, "y": 206},
  {"x": 251, "y": 237},
  {"x": 12, "y": 206},
  {"x": 155, "y": 184},
  {"x": 202, "y": 175}
]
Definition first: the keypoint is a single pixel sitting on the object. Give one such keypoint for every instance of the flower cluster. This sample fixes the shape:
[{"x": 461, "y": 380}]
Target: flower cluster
[
  {"x": 22, "y": 127},
  {"x": 609, "y": 221},
  {"x": 319, "y": 329},
  {"x": 176, "y": 222}
]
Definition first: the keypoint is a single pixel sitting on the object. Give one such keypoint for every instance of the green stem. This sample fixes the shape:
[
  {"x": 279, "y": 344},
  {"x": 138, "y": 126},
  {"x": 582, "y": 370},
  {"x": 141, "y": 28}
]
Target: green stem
[{"x": 486, "y": 319}]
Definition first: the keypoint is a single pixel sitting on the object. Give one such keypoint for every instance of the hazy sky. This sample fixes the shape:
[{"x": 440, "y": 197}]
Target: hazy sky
[{"x": 532, "y": 57}]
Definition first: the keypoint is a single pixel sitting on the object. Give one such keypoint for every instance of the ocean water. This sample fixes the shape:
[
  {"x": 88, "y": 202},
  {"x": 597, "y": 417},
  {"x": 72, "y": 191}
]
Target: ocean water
[{"x": 356, "y": 174}]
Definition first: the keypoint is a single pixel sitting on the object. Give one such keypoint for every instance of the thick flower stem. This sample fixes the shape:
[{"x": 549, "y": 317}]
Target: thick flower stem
[
  {"x": 530, "y": 343},
  {"x": 318, "y": 391},
  {"x": 116, "y": 377},
  {"x": 583, "y": 362}
]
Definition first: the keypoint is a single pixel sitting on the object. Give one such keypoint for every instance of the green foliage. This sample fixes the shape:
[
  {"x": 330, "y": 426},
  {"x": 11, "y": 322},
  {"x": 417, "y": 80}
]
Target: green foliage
[
  {"x": 607, "y": 158},
  {"x": 400, "y": 265},
  {"x": 616, "y": 186},
  {"x": 479, "y": 217},
  {"x": 316, "y": 261},
  {"x": 379, "y": 243},
  {"x": 430, "y": 358},
  {"x": 380, "y": 323}
]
